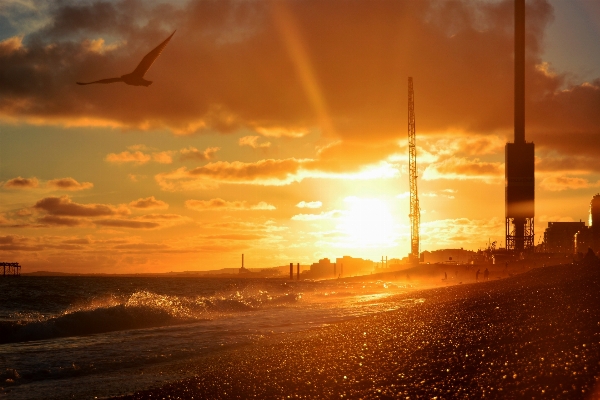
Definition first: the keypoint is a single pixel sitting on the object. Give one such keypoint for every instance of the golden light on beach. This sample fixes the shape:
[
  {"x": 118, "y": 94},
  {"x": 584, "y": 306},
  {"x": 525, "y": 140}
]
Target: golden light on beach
[{"x": 225, "y": 199}]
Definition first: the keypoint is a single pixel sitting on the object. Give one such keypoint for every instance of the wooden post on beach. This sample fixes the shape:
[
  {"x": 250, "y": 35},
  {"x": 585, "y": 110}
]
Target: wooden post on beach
[
  {"x": 298, "y": 271},
  {"x": 292, "y": 271}
]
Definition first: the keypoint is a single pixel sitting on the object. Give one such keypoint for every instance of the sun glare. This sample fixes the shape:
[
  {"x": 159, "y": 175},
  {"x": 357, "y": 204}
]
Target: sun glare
[{"x": 367, "y": 223}]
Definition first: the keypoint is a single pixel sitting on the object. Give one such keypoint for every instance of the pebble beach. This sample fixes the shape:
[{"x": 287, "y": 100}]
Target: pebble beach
[{"x": 532, "y": 335}]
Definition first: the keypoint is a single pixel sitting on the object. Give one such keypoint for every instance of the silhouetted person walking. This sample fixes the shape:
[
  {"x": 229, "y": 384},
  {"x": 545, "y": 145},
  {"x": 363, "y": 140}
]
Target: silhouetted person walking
[
  {"x": 486, "y": 274},
  {"x": 477, "y": 276}
]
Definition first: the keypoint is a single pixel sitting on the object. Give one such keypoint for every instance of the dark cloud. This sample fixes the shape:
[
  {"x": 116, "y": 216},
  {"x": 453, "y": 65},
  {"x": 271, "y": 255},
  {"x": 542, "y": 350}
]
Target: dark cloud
[
  {"x": 462, "y": 168},
  {"x": 123, "y": 223},
  {"x": 64, "y": 206},
  {"x": 21, "y": 183},
  {"x": 10, "y": 247},
  {"x": 293, "y": 65},
  {"x": 164, "y": 217},
  {"x": 7, "y": 239},
  {"x": 61, "y": 221},
  {"x": 142, "y": 246},
  {"x": 77, "y": 241},
  {"x": 69, "y": 184}
]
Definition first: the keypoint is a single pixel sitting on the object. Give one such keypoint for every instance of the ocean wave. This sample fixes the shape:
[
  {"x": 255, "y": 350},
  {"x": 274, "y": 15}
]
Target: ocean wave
[{"x": 142, "y": 309}]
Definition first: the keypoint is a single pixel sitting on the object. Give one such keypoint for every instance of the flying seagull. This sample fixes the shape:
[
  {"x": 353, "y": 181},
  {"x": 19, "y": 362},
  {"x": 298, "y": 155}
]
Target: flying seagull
[{"x": 136, "y": 78}]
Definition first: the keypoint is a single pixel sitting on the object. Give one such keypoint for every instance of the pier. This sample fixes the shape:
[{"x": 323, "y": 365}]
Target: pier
[{"x": 10, "y": 269}]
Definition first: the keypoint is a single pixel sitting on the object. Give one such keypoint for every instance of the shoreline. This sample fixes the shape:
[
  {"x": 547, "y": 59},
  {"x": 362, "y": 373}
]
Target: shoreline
[{"x": 533, "y": 334}]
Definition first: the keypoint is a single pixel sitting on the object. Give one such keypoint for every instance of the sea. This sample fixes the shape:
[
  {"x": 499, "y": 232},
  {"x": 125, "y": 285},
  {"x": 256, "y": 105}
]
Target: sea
[{"x": 89, "y": 337}]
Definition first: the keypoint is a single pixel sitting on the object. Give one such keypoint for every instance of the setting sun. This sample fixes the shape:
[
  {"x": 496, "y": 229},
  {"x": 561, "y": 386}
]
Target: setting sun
[{"x": 367, "y": 223}]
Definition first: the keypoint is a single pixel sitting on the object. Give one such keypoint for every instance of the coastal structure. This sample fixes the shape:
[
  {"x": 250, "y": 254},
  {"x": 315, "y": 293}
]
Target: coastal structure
[
  {"x": 415, "y": 210},
  {"x": 519, "y": 157},
  {"x": 10, "y": 268}
]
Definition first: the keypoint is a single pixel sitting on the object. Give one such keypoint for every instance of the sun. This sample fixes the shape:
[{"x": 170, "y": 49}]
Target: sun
[{"x": 367, "y": 222}]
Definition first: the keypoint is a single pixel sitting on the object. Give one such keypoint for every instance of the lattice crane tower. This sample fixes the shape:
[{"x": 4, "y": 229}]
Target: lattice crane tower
[{"x": 415, "y": 211}]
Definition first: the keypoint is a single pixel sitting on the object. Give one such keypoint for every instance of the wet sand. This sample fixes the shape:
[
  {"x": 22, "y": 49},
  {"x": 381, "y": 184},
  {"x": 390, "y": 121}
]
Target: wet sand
[{"x": 534, "y": 335}]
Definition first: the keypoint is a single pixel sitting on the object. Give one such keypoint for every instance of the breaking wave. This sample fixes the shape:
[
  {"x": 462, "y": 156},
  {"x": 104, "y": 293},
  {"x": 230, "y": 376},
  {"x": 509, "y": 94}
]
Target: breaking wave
[{"x": 141, "y": 309}]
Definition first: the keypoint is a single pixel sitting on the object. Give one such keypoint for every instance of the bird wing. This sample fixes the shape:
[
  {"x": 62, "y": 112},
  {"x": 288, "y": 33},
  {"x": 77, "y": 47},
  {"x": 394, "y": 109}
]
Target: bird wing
[
  {"x": 147, "y": 61},
  {"x": 108, "y": 80}
]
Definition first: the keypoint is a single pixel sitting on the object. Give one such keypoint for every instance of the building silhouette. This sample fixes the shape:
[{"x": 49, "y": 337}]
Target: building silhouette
[{"x": 559, "y": 236}]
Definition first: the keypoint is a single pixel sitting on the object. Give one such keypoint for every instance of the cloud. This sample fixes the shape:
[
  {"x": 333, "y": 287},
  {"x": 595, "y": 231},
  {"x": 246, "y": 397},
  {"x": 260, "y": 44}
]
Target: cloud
[
  {"x": 136, "y": 157},
  {"x": 99, "y": 46},
  {"x": 135, "y": 178},
  {"x": 238, "y": 171},
  {"x": 464, "y": 169},
  {"x": 21, "y": 183},
  {"x": 163, "y": 217},
  {"x": 220, "y": 204},
  {"x": 163, "y": 157},
  {"x": 149, "y": 203},
  {"x": 282, "y": 69},
  {"x": 192, "y": 153},
  {"x": 123, "y": 223},
  {"x": 311, "y": 204},
  {"x": 303, "y": 68},
  {"x": 64, "y": 206},
  {"x": 454, "y": 143},
  {"x": 252, "y": 141},
  {"x": 68, "y": 184},
  {"x": 325, "y": 215},
  {"x": 236, "y": 237},
  {"x": 11, "y": 45},
  {"x": 273, "y": 172},
  {"x": 140, "y": 158},
  {"x": 59, "y": 221},
  {"x": 279, "y": 131},
  {"x": 552, "y": 162},
  {"x": 7, "y": 239},
  {"x": 460, "y": 232},
  {"x": 560, "y": 183},
  {"x": 142, "y": 246},
  {"x": 352, "y": 156},
  {"x": 263, "y": 172},
  {"x": 77, "y": 241}
]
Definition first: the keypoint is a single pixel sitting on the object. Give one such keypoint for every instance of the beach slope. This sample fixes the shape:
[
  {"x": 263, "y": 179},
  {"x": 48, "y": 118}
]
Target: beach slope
[{"x": 534, "y": 335}]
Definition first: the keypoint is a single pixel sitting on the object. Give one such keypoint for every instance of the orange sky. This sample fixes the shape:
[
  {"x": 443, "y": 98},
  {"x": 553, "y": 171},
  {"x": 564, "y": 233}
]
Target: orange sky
[{"x": 279, "y": 129}]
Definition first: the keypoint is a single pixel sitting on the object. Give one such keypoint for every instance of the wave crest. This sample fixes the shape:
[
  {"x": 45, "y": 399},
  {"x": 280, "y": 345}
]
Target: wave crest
[{"x": 141, "y": 309}]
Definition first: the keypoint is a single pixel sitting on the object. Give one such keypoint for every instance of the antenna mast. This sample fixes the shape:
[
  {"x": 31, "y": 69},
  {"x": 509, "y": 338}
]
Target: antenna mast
[{"x": 415, "y": 211}]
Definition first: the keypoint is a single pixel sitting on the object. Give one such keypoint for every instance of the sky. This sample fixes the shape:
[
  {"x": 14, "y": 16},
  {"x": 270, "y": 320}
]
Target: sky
[{"x": 278, "y": 129}]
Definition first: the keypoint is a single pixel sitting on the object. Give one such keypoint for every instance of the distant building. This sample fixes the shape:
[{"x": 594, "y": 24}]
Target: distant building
[
  {"x": 350, "y": 266},
  {"x": 589, "y": 237},
  {"x": 559, "y": 237},
  {"x": 323, "y": 269},
  {"x": 448, "y": 256},
  {"x": 575, "y": 237}
]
